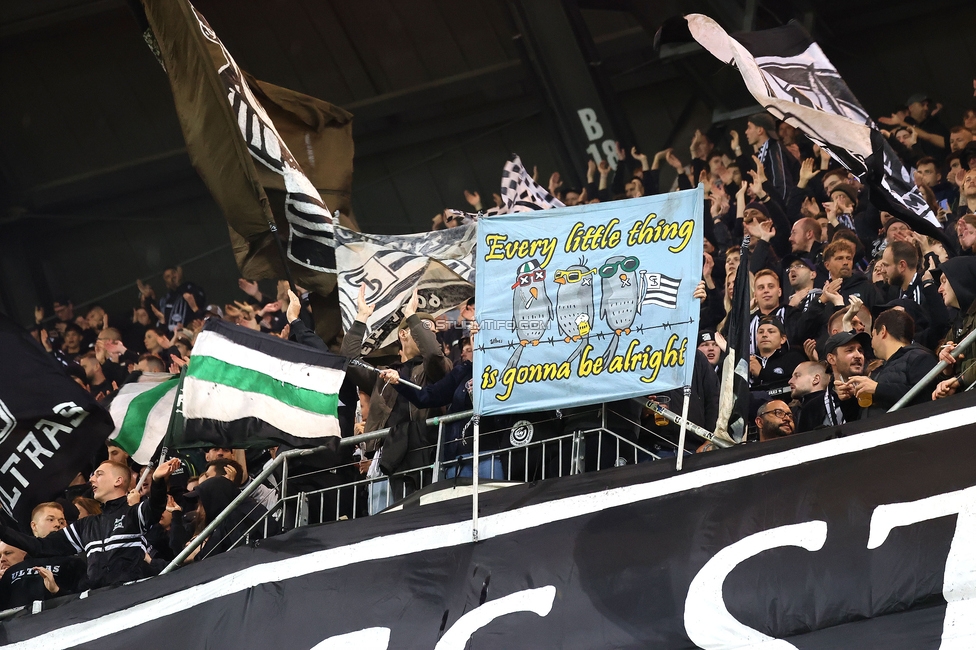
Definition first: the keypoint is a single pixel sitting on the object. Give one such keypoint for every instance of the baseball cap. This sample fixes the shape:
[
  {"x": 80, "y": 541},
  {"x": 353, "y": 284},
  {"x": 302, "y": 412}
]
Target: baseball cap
[
  {"x": 792, "y": 257},
  {"x": 916, "y": 98},
  {"x": 843, "y": 338}
]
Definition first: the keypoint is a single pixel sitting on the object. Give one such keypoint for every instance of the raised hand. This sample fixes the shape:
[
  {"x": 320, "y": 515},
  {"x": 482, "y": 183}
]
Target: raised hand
[
  {"x": 734, "y": 140},
  {"x": 159, "y": 315},
  {"x": 473, "y": 199},
  {"x": 250, "y": 288},
  {"x": 146, "y": 290},
  {"x": 38, "y": 315},
  {"x": 411, "y": 307},
  {"x": 590, "y": 170},
  {"x": 191, "y": 301},
  {"x": 555, "y": 182},
  {"x": 364, "y": 309},
  {"x": 166, "y": 469},
  {"x": 810, "y": 207},
  {"x": 810, "y": 348},
  {"x": 641, "y": 158},
  {"x": 674, "y": 161},
  {"x": 807, "y": 172},
  {"x": 294, "y": 307}
]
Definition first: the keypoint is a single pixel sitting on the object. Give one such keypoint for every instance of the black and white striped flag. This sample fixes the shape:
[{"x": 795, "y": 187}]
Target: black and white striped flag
[
  {"x": 440, "y": 264},
  {"x": 660, "y": 290},
  {"x": 791, "y": 77}
]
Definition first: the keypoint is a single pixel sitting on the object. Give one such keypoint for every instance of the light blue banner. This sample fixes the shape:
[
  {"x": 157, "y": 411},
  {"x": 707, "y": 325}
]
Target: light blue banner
[{"x": 587, "y": 304}]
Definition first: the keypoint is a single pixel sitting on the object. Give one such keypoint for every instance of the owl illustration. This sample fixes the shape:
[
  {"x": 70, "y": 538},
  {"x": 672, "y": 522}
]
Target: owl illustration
[
  {"x": 531, "y": 307},
  {"x": 574, "y": 304},
  {"x": 622, "y": 293}
]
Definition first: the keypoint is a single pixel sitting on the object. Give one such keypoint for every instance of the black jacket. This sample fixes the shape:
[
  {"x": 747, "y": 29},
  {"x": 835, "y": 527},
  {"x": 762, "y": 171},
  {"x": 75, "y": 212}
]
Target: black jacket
[
  {"x": 22, "y": 584},
  {"x": 114, "y": 541},
  {"x": 900, "y": 372},
  {"x": 818, "y": 410}
]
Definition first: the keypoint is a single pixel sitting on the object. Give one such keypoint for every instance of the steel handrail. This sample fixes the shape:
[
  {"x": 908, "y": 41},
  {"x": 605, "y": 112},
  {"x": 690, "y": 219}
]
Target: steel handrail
[
  {"x": 277, "y": 462},
  {"x": 933, "y": 373}
]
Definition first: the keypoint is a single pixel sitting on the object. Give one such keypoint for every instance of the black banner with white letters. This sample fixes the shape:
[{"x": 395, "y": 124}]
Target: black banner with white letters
[
  {"x": 49, "y": 425},
  {"x": 856, "y": 537}
]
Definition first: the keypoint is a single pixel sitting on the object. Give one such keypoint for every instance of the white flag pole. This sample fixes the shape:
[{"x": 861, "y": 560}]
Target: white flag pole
[
  {"x": 684, "y": 427},
  {"x": 474, "y": 478}
]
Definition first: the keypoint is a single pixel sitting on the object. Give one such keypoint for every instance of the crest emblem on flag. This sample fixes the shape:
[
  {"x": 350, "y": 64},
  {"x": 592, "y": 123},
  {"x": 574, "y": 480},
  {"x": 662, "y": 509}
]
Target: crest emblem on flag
[{"x": 661, "y": 290}]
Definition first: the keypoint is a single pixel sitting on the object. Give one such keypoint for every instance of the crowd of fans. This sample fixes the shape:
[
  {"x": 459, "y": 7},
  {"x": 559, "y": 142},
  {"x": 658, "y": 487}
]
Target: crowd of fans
[{"x": 850, "y": 309}]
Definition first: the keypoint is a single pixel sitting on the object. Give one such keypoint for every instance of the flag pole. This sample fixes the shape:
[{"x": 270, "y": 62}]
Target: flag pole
[
  {"x": 474, "y": 477},
  {"x": 175, "y": 418},
  {"x": 684, "y": 428},
  {"x": 281, "y": 253}
]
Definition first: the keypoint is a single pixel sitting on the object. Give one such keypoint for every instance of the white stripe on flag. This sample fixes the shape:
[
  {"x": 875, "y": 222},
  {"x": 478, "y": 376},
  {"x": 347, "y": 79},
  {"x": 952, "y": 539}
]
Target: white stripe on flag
[
  {"x": 303, "y": 375},
  {"x": 156, "y": 425},
  {"x": 210, "y": 401}
]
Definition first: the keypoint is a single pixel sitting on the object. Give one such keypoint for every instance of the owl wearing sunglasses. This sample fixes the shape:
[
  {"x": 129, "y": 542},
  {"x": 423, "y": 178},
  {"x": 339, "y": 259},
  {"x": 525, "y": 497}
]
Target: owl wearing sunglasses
[
  {"x": 574, "y": 304},
  {"x": 531, "y": 307},
  {"x": 621, "y": 294}
]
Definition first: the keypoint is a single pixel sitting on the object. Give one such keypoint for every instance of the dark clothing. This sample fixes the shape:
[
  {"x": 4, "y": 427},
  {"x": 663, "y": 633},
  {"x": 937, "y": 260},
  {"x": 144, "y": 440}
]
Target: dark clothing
[
  {"x": 21, "y": 584},
  {"x": 113, "y": 541},
  {"x": 861, "y": 286},
  {"x": 777, "y": 369},
  {"x": 932, "y": 317},
  {"x": 820, "y": 409},
  {"x": 176, "y": 311},
  {"x": 431, "y": 366},
  {"x": 898, "y": 375},
  {"x": 702, "y": 406}
]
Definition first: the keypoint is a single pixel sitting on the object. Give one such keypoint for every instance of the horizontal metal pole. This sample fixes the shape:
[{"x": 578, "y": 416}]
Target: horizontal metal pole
[{"x": 278, "y": 460}]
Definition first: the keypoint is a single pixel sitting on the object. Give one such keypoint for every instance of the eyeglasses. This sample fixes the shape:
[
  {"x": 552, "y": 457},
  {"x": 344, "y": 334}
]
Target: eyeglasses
[
  {"x": 525, "y": 279},
  {"x": 571, "y": 276},
  {"x": 627, "y": 265},
  {"x": 780, "y": 413}
]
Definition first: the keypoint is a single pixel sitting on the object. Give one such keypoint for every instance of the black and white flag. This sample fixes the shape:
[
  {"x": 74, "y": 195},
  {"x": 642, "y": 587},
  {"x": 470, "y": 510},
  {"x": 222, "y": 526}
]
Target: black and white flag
[
  {"x": 519, "y": 192},
  {"x": 661, "y": 290},
  {"x": 789, "y": 75},
  {"x": 440, "y": 264},
  {"x": 50, "y": 427}
]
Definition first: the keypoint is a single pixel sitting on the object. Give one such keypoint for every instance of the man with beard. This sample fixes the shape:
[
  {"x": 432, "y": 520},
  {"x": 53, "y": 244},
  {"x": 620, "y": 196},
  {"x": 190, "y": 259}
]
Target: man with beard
[
  {"x": 774, "y": 420},
  {"x": 845, "y": 354},
  {"x": 843, "y": 281},
  {"x": 180, "y": 305},
  {"x": 900, "y": 261},
  {"x": 819, "y": 405},
  {"x": 801, "y": 272}
]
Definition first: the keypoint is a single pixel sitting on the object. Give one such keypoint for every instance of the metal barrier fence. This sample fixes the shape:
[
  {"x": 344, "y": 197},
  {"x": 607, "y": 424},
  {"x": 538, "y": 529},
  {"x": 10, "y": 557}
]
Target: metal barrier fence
[{"x": 589, "y": 448}]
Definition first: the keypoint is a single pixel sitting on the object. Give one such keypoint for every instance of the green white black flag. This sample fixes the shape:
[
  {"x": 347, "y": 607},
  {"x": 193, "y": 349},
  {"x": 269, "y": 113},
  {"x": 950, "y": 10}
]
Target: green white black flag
[
  {"x": 141, "y": 412},
  {"x": 247, "y": 389}
]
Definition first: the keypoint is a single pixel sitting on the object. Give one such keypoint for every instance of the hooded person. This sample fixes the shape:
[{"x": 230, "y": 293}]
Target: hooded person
[
  {"x": 958, "y": 289},
  {"x": 214, "y": 495}
]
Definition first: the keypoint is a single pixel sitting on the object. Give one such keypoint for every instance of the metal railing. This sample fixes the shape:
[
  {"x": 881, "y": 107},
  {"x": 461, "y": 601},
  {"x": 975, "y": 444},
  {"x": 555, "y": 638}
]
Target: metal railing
[
  {"x": 278, "y": 461},
  {"x": 933, "y": 373},
  {"x": 551, "y": 457}
]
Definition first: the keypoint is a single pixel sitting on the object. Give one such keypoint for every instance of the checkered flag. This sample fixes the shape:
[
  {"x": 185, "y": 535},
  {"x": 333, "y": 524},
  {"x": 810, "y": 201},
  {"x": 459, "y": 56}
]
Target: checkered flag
[{"x": 520, "y": 193}]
